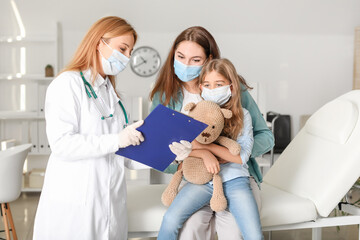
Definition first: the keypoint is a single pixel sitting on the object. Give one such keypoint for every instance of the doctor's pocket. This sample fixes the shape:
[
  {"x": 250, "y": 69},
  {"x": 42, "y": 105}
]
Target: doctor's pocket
[{"x": 69, "y": 182}]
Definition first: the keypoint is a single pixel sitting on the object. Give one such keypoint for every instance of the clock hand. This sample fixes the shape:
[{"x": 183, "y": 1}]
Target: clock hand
[
  {"x": 143, "y": 59},
  {"x": 139, "y": 64}
]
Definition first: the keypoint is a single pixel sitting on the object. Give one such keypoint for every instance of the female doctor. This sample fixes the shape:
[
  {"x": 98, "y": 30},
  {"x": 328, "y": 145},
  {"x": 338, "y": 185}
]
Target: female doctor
[{"x": 84, "y": 193}]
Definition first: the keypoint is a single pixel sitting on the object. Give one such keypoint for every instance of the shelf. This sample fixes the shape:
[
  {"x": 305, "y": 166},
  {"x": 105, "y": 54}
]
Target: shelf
[
  {"x": 28, "y": 189},
  {"x": 38, "y": 154},
  {"x": 37, "y": 39},
  {"x": 6, "y": 115},
  {"x": 34, "y": 77}
]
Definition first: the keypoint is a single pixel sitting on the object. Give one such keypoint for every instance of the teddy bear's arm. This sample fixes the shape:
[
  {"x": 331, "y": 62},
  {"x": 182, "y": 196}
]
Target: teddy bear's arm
[{"x": 230, "y": 144}]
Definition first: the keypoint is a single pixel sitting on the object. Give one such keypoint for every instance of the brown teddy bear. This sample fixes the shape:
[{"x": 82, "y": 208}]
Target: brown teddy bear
[{"x": 193, "y": 168}]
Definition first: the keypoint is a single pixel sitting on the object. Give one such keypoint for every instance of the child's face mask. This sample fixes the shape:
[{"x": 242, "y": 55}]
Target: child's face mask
[{"x": 220, "y": 95}]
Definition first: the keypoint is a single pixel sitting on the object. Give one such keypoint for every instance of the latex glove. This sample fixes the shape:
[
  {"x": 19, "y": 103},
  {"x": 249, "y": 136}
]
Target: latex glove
[
  {"x": 130, "y": 136},
  {"x": 181, "y": 149}
]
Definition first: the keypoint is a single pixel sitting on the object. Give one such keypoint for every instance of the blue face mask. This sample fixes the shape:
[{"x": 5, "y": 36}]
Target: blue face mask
[
  {"x": 186, "y": 73},
  {"x": 115, "y": 63}
]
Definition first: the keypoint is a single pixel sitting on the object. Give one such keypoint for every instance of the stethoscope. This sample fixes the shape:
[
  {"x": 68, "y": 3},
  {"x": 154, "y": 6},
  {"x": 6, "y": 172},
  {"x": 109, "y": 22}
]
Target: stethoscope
[{"x": 97, "y": 104}]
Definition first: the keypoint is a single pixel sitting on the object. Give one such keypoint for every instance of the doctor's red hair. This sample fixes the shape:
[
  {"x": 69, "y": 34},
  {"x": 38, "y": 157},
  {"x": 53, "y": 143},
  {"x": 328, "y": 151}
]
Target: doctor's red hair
[{"x": 86, "y": 55}]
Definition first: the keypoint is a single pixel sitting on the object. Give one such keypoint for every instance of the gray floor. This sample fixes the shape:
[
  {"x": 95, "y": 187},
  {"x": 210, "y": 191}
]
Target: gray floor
[{"x": 24, "y": 210}]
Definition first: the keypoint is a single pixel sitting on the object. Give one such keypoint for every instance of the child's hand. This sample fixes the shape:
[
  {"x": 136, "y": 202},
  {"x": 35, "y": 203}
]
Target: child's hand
[
  {"x": 196, "y": 145},
  {"x": 222, "y": 161},
  {"x": 211, "y": 163}
]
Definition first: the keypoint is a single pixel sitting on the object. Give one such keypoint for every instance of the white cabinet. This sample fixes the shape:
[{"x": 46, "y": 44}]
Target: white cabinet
[
  {"x": 22, "y": 92},
  {"x": 22, "y": 118}
]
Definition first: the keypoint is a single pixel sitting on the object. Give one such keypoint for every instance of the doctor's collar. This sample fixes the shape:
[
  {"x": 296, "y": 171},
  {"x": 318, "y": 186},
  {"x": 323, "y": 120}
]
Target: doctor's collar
[{"x": 99, "y": 81}]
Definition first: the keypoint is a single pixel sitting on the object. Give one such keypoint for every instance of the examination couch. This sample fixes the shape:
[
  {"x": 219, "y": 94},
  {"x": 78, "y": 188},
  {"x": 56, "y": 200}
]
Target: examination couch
[{"x": 301, "y": 189}]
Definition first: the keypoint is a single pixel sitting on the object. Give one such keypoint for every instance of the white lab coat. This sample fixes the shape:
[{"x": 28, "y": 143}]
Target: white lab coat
[{"x": 84, "y": 192}]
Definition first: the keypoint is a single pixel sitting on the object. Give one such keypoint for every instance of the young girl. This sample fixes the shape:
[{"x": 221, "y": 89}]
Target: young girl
[{"x": 220, "y": 83}]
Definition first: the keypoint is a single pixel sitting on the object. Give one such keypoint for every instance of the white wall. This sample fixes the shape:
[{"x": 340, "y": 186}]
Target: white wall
[{"x": 301, "y": 51}]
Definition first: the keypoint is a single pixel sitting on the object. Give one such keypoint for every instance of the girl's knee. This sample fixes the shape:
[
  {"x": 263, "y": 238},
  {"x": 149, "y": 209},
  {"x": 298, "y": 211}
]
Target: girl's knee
[
  {"x": 169, "y": 228},
  {"x": 171, "y": 222}
]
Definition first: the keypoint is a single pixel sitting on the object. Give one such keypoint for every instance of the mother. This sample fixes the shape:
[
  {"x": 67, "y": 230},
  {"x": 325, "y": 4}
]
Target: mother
[{"x": 175, "y": 87}]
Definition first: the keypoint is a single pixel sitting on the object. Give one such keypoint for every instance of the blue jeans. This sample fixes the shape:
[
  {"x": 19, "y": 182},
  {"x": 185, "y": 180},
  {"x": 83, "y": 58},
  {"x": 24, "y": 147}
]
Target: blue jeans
[{"x": 192, "y": 197}]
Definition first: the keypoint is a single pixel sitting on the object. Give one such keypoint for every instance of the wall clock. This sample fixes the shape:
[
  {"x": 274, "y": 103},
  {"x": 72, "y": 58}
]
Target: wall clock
[{"x": 145, "y": 61}]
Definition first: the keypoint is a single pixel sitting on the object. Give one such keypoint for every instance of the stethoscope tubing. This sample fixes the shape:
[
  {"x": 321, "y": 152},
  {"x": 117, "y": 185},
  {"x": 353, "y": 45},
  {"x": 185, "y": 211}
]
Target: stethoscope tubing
[{"x": 91, "y": 93}]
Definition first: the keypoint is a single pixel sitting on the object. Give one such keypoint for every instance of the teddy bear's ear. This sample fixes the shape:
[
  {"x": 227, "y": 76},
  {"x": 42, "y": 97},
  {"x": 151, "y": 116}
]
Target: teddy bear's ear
[
  {"x": 189, "y": 106},
  {"x": 227, "y": 113}
]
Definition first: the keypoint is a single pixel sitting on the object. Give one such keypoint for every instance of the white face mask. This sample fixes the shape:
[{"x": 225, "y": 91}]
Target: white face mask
[
  {"x": 220, "y": 95},
  {"x": 115, "y": 63}
]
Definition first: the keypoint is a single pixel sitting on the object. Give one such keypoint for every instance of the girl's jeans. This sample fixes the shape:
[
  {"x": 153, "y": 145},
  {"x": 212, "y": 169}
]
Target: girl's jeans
[{"x": 192, "y": 197}]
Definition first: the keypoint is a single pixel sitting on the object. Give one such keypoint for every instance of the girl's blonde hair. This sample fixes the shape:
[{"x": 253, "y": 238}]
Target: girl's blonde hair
[
  {"x": 86, "y": 55},
  {"x": 234, "y": 125}
]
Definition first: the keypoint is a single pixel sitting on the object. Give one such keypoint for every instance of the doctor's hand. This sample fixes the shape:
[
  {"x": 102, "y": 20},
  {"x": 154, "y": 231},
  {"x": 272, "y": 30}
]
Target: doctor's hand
[
  {"x": 130, "y": 136},
  {"x": 181, "y": 149}
]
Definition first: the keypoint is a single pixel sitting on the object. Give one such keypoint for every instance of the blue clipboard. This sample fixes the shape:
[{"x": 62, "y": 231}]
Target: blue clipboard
[{"x": 162, "y": 127}]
